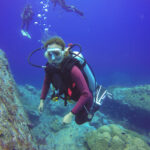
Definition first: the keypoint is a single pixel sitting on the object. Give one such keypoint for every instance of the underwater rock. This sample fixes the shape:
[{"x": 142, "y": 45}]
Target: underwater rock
[
  {"x": 58, "y": 108},
  {"x": 131, "y": 106},
  {"x": 56, "y": 125},
  {"x": 99, "y": 119},
  {"x": 30, "y": 101},
  {"x": 30, "y": 88},
  {"x": 114, "y": 137},
  {"x": 33, "y": 117},
  {"x": 14, "y": 131},
  {"x": 30, "y": 97},
  {"x": 138, "y": 96}
]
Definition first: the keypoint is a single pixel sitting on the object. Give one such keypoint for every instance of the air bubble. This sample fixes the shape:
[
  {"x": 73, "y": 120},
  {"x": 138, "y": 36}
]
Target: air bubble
[
  {"x": 46, "y": 10},
  {"x": 45, "y": 18},
  {"x": 39, "y": 15},
  {"x": 36, "y": 22},
  {"x": 46, "y": 29}
]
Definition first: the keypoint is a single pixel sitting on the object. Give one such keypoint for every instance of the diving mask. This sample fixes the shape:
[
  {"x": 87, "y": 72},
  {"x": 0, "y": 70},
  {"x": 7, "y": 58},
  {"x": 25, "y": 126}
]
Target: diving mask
[{"x": 54, "y": 55}]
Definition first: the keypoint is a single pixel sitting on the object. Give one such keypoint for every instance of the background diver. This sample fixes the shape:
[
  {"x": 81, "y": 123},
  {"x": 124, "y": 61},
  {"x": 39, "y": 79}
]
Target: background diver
[
  {"x": 27, "y": 17},
  {"x": 67, "y": 8}
]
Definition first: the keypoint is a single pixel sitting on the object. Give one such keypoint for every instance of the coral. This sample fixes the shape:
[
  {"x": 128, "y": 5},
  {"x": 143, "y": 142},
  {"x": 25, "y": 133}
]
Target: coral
[{"x": 114, "y": 137}]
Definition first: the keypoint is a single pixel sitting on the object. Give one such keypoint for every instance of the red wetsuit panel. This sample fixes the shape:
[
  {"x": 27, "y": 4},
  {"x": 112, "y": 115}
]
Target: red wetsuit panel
[{"x": 85, "y": 94}]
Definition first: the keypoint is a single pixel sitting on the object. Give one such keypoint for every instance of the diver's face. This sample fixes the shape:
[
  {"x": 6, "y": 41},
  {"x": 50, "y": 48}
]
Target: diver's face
[{"x": 54, "y": 54}]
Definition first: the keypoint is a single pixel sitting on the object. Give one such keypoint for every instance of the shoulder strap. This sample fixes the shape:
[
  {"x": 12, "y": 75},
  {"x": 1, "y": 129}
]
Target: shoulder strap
[{"x": 67, "y": 65}]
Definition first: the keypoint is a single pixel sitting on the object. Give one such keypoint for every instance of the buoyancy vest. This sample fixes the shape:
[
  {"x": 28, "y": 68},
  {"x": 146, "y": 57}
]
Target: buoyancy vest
[{"x": 60, "y": 78}]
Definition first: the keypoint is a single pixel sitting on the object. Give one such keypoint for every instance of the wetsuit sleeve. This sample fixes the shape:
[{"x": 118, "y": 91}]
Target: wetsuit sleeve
[
  {"x": 85, "y": 94},
  {"x": 45, "y": 87}
]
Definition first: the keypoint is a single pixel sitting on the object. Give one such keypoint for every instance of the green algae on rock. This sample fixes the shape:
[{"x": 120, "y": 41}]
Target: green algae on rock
[
  {"x": 115, "y": 137},
  {"x": 14, "y": 132}
]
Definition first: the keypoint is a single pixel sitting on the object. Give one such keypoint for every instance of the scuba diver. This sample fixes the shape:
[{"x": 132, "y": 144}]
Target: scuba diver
[
  {"x": 27, "y": 17},
  {"x": 71, "y": 76},
  {"x": 67, "y": 8}
]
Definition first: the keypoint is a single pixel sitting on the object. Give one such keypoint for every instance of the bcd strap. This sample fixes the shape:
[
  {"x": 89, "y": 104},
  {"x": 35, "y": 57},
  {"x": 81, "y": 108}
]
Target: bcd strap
[{"x": 65, "y": 100}]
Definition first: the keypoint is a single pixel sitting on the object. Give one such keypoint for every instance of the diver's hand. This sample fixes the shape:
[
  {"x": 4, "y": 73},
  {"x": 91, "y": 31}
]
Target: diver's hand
[
  {"x": 68, "y": 118},
  {"x": 40, "y": 108}
]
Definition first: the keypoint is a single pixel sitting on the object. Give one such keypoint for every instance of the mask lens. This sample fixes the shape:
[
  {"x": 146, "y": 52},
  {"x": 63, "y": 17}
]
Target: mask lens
[{"x": 56, "y": 53}]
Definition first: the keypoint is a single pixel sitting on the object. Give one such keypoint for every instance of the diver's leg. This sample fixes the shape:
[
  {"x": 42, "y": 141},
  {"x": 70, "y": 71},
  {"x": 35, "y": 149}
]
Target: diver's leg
[
  {"x": 23, "y": 25},
  {"x": 27, "y": 25},
  {"x": 72, "y": 9},
  {"x": 82, "y": 116},
  {"x": 67, "y": 8},
  {"x": 62, "y": 3},
  {"x": 78, "y": 12},
  {"x": 25, "y": 30}
]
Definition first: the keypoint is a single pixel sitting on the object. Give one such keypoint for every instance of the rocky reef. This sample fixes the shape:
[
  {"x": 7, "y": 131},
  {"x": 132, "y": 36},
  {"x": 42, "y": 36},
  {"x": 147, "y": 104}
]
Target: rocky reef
[
  {"x": 52, "y": 134},
  {"x": 47, "y": 127},
  {"x": 23, "y": 127},
  {"x": 115, "y": 137},
  {"x": 130, "y": 105},
  {"x": 137, "y": 96},
  {"x": 14, "y": 131}
]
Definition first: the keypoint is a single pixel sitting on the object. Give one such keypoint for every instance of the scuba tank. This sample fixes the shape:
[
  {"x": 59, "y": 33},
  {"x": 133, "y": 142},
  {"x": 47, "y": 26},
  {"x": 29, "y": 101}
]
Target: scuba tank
[{"x": 87, "y": 70}]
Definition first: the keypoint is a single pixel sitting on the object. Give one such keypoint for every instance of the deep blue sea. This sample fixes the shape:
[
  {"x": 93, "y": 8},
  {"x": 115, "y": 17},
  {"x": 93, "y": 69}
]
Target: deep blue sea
[{"x": 114, "y": 35}]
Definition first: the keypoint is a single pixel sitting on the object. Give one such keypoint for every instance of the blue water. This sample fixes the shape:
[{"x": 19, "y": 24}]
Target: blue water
[{"x": 114, "y": 35}]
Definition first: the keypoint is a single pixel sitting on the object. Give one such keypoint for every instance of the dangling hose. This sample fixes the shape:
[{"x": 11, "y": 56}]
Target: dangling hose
[
  {"x": 38, "y": 49},
  {"x": 38, "y": 66},
  {"x": 73, "y": 45}
]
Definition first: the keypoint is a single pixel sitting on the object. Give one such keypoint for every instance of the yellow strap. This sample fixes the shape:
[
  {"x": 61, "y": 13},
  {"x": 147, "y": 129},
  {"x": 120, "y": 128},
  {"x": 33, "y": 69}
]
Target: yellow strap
[{"x": 55, "y": 98}]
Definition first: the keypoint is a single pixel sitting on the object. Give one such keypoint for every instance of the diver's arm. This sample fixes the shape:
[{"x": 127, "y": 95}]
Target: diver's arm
[
  {"x": 46, "y": 86},
  {"x": 78, "y": 12},
  {"x": 63, "y": 2},
  {"x": 54, "y": 3},
  {"x": 85, "y": 94},
  {"x": 22, "y": 14}
]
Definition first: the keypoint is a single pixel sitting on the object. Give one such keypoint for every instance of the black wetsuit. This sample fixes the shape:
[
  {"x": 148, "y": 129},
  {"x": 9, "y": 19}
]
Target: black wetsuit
[
  {"x": 27, "y": 17},
  {"x": 66, "y": 7}
]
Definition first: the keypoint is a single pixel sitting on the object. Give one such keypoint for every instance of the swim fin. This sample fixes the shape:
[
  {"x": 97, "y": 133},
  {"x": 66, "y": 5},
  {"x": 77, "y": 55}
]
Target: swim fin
[
  {"x": 25, "y": 33},
  {"x": 28, "y": 35}
]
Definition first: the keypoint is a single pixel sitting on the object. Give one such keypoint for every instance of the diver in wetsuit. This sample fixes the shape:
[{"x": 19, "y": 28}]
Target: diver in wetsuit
[
  {"x": 66, "y": 74},
  {"x": 27, "y": 17},
  {"x": 67, "y": 8}
]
